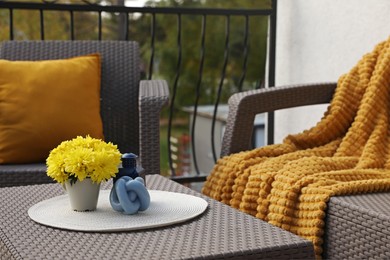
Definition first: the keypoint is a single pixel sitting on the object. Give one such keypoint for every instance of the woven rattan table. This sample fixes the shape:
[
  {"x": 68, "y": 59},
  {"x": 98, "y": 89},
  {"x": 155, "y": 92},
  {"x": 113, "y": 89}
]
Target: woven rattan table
[{"x": 220, "y": 232}]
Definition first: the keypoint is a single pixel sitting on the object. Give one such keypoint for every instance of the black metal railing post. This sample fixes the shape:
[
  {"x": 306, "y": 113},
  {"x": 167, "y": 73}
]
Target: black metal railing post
[
  {"x": 152, "y": 41},
  {"x": 219, "y": 91},
  {"x": 198, "y": 93},
  {"x": 42, "y": 24},
  {"x": 71, "y": 13},
  {"x": 175, "y": 86},
  {"x": 245, "y": 53},
  {"x": 11, "y": 24},
  {"x": 271, "y": 69}
]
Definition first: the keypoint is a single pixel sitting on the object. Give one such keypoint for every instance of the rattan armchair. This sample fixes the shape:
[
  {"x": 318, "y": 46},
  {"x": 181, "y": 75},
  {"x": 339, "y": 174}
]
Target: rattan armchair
[
  {"x": 130, "y": 107},
  {"x": 357, "y": 226}
]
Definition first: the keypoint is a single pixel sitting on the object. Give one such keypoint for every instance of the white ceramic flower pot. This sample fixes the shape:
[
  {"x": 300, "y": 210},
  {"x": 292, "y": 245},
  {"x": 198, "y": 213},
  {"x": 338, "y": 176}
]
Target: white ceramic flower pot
[{"x": 83, "y": 195}]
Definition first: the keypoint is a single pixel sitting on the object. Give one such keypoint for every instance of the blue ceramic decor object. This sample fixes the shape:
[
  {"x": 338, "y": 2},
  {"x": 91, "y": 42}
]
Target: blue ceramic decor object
[
  {"x": 129, "y": 167},
  {"x": 129, "y": 195}
]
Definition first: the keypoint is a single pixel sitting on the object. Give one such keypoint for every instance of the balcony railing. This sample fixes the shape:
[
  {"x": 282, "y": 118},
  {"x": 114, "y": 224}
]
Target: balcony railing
[{"x": 245, "y": 43}]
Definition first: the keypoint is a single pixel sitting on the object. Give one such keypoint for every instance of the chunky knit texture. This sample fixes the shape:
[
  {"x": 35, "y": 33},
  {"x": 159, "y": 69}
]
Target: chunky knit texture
[{"x": 347, "y": 152}]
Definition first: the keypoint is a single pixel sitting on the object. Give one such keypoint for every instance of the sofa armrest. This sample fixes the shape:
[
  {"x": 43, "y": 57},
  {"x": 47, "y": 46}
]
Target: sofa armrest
[
  {"x": 244, "y": 106},
  {"x": 153, "y": 95}
]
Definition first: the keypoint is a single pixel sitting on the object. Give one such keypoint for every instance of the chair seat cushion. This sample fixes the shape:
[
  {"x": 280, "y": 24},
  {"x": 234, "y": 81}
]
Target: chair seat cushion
[{"x": 43, "y": 103}]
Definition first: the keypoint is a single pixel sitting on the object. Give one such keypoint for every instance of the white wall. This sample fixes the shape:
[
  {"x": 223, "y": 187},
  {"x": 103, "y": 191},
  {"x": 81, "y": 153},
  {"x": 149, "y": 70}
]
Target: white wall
[{"x": 319, "y": 40}]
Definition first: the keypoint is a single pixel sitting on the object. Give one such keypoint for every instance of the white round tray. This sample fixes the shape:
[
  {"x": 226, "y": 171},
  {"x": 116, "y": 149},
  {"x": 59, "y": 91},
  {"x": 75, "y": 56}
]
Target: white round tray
[{"x": 166, "y": 208}]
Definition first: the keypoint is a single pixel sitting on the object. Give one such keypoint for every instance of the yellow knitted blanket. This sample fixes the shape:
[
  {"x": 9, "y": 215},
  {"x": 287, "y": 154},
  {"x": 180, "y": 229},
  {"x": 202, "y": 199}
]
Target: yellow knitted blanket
[{"x": 347, "y": 152}]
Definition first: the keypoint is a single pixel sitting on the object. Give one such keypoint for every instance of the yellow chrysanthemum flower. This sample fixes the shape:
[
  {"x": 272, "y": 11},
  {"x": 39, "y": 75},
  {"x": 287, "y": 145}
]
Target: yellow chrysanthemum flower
[{"x": 82, "y": 158}]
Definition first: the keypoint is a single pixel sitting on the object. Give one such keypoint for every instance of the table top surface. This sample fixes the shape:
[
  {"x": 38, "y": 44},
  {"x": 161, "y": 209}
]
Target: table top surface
[{"x": 220, "y": 232}]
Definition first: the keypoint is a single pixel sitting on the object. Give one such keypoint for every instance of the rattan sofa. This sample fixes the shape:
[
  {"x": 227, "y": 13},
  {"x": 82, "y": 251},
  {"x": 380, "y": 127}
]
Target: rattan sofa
[
  {"x": 358, "y": 226},
  {"x": 130, "y": 107}
]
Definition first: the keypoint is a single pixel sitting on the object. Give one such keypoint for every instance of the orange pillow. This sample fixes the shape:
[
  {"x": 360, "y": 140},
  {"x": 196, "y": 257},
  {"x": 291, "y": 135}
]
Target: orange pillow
[{"x": 43, "y": 103}]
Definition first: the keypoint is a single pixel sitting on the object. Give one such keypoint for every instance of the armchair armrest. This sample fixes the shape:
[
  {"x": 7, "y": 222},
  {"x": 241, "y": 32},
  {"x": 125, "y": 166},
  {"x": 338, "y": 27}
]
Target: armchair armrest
[
  {"x": 153, "y": 95},
  {"x": 244, "y": 106}
]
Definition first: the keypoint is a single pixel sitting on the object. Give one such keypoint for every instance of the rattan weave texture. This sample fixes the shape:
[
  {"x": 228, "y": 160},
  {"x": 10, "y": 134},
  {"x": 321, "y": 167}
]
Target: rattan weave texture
[
  {"x": 220, "y": 233},
  {"x": 358, "y": 227},
  {"x": 23, "y": 174},
  {"x": 122, "y": 99}
]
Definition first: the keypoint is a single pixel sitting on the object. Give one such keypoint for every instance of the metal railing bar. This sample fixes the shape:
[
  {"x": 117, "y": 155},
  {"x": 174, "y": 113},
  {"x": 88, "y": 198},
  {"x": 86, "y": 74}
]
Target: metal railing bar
[
  {"x": 272, "y": 47},
  {"x": 42, "y": 24},
  {"x": 122, "y": 28},
  {"x": 271, "y": 71},
  {"x": 71, "y": 25},
  {"x": 146, "y": 9},
  {"x": 127, "y": 26},
  {"x": 226, "y": 59},
  {"x": 152, "y": 45},
  {"x": 246, "y": 52},
  {"x": 197, "y": 96},
  {"x": 11, "y": 24},
  {"x": 174, "y": 87},
  {"x": 100, "y": 26}
]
